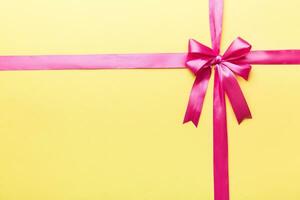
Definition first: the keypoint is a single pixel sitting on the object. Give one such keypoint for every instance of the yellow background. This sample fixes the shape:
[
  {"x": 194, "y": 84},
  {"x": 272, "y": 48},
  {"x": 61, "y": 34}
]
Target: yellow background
[{"x": 117, "y": 134}]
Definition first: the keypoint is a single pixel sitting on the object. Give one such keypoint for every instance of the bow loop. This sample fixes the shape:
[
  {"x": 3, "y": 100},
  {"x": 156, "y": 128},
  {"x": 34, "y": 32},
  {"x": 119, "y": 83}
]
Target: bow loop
[
  {"x": 199, "y": 56},
  {"x": 195, "y": 65},
  {"x": 242, "y": 70},
  {"x": 238, "y": 49},
  {"x": 196, "y": 47}
]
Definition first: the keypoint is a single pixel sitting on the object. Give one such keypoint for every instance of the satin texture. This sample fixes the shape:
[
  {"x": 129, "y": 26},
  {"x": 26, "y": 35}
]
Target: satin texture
[{"x": 201, "y": 61}]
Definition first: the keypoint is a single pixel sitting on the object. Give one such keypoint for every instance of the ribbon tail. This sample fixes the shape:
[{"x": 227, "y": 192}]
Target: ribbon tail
[
  {"x": 270, "y": 57},
  {"x": 197, "y": 96},
  {"x": 235, "y": 94},
  {"x": 220, "y": 141}
]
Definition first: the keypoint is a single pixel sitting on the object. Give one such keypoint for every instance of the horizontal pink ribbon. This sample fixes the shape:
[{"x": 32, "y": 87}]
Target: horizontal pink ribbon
[
  {"x": 201, "y": 60},
  {"x": 99, "y": 61},
  {"x": 131, "y": 61}
]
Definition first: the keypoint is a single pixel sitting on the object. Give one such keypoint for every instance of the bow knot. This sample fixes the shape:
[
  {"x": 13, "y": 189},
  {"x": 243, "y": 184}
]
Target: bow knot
[
  {"x": 217, "y": 60},
  {"x": 201, "y": 59}
]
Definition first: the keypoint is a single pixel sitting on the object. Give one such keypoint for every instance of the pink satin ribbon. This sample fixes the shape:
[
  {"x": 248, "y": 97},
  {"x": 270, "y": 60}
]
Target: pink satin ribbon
[
  {"x": 201, "y": 60},
  {"x": 234, "y": 62}
]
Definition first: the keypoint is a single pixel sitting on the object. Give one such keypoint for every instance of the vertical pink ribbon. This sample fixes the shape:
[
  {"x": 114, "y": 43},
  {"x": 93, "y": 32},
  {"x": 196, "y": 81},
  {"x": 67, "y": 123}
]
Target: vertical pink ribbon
[
  {"x": 220, "y": 141},
  {"x": 201, "y": 60},
  {"x": 235, "y": 61}
]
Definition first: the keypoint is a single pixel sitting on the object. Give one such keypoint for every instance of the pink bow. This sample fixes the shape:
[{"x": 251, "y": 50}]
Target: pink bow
[{"x": 201, "y": 60}]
